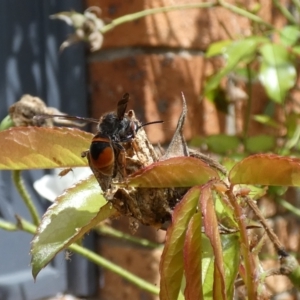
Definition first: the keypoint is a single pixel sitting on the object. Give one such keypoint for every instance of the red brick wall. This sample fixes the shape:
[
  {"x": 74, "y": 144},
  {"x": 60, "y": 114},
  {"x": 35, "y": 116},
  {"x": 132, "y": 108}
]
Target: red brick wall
[
  {"x": 154, "y": 59},
  {"x": 157, "y": 57}
]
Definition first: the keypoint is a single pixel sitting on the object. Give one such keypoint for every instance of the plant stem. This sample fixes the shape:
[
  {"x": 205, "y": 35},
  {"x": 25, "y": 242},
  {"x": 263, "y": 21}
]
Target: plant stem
[
  {"x": 151, "y": 11},
  {"x": 16, "y": 174},
  {"x": 250, "y": 283},
  {"x": 272, "y": 236},
  {"x": 7, "y": 225},
  {"x": 245, "y": 14},
  {"x": 97, "y": 259},
  {"x": 90, "y": 255},
  {"x": 249, "y": 104},
  {"x": 107, "y": 230},
  {"x": 285, "y": 12},
  {"x": 296, "y": 3},
  {"x": 288, "y": 206}
]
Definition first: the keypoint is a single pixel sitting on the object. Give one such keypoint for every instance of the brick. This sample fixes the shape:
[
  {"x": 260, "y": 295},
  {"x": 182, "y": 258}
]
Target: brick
[
  {"x": 140, "y": 261},
  {"x": 155, "y": 83},
  {"x": 188, "y": 28}
]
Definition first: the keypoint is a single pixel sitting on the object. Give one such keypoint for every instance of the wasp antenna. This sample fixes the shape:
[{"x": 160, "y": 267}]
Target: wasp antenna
[
  {"x": 149, "y": 123},
  {"x": 66, "y": 117}
]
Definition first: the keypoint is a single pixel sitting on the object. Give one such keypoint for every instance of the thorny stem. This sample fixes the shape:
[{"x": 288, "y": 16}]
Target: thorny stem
[
  {"x": 16, "y": 174},
  {"x": 97, "y": 259},
  {"x": 250, "y": 283},
  {"x": 289, "y": 265},
  {"x": 272, "y": 236}
]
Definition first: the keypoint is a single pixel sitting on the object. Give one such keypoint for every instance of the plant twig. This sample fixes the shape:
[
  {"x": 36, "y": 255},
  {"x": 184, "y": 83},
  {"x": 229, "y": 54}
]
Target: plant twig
[
  {"x": 7, "y": 225},
  {"x": 297, "y": 4},
  {"x": 288, "y": 206},
  {"x": 285, "y": 12},
  {"x": 272, "y": 236},
  {"x": 245, "y": 14},
  {"x": 100, "y": 261},
  {"x": 249, "y": 104},
  {"x": 152, "y": 11},
  {"x": 107, "y": 230},
  {"x": 90, "y": 255},
  {"x": 16, "y": 174}
]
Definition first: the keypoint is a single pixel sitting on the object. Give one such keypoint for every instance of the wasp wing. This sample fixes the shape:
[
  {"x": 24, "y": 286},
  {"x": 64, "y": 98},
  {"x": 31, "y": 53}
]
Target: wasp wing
[{"x": 122, "y": 105}]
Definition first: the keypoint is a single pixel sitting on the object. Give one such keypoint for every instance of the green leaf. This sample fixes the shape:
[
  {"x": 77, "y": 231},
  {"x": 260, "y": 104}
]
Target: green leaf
[
  {"x": 266, "y": 120},
  {"x": 236, "y": 52},
  {"x": 207, "y": 268},
  {"x": 222, "y": 143},
  {"x": 171, "y": 265},
  {"x": 217, "y": 48},
  {"x": 274, "y": 54},
  {"x": 289, "y": 35},
  {"x": 211, "y": 230},
  {"x": 225, "y": 213},
  {"x": 293, "y": 141},
  {"x": 260, "y": 143},
  {"x": 193, "y": 259},
  {"x": 6, "y": 123},
  {"x": 73, "y": 214},
  {"x": 231, "y": 258},
  {"x": 266, "y": 169},
  {"x": 197, "y": 141},
  {"x": 296, "y": 50},
  {"x": 43, "y": 148},
  {"x": 177, "y": 172},
  {"x": 277, "y": 80}
]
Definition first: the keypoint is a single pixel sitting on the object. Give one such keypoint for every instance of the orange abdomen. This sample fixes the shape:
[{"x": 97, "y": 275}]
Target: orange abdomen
[{"x": 102, "y": 156}]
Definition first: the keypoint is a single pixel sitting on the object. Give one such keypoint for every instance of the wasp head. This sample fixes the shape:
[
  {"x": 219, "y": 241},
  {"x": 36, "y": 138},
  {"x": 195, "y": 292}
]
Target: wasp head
[{"x": 118, "y": 126}]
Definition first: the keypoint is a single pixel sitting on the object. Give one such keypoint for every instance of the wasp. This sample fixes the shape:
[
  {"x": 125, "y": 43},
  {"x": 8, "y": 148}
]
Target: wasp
[{"x": 107, "y": 154}]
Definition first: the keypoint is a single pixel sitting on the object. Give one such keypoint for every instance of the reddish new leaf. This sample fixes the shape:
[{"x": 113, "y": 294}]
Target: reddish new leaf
[
  {"x": 210, "y": 223},
  {"x": 173, "y": 172},
  {"x": 267, "y": 169},
  {"x": 171, "y": 265},
  {"x": 193, "y": 259},
  {"x": 42, "y": 148}
]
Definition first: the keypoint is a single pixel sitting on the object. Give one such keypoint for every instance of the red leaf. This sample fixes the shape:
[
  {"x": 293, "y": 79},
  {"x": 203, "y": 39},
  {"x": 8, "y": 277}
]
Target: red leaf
[
  {"x": 42, "y": 148},
  {"x": 210, "y": 223},
  {"x": 266, "y": 169},
  {"x": 173, "y": 172},
  {"x": 171, "y": 265},
  {"x": 193, "y": 259}
]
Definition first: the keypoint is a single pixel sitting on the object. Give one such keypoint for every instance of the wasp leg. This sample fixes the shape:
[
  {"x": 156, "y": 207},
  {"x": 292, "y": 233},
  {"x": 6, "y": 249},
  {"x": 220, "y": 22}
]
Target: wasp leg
[{"x": 84, "y": 153}]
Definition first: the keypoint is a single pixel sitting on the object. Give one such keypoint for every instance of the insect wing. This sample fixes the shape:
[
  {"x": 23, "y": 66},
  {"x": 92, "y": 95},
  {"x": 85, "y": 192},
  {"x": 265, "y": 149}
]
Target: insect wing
[{"x": 122, "y": 105}]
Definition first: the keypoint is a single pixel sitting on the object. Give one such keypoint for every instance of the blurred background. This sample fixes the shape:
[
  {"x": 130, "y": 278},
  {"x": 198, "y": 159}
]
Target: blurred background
[{"x": 154, "y": 59}]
